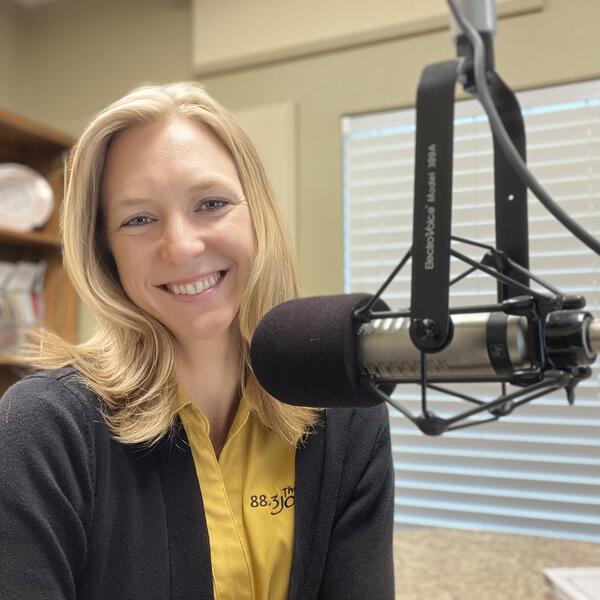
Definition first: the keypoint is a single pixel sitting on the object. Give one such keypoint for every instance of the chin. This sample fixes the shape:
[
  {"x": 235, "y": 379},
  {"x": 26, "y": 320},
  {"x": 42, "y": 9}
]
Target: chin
[{"x": 204, "y": 329}]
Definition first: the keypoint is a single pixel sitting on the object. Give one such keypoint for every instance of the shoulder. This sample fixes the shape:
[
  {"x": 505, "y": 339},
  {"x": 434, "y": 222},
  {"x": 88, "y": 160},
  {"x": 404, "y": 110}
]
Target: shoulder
[
  {"x": 358, "y": 444},
  {"x": 347, "y": 443},
  {"x": 51, "y": 389},
  {"x": 48, "y": 404},
  {"x": 360, "y": 429}
]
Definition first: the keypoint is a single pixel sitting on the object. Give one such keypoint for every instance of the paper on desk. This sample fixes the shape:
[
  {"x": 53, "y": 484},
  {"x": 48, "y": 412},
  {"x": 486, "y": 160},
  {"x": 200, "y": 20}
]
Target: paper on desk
[{"x": 581, "y": 583}]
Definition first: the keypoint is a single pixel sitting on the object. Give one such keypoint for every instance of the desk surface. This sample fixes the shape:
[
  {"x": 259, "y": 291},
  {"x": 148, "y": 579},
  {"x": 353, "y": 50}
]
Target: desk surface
[{"x": 454, "y": 564}]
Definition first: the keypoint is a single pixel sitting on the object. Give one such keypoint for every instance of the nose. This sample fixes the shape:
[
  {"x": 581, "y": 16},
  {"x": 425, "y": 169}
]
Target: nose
[{"x": 181, "y": 240}]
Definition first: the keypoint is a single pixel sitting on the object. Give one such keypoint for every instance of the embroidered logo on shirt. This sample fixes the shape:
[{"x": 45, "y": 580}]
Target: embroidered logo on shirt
[{"x": 277, "y": 502}]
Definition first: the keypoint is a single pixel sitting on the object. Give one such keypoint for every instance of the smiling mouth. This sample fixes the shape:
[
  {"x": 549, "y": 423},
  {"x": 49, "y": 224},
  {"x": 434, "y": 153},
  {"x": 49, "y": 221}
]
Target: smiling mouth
[{"x": 195, "y": 288}]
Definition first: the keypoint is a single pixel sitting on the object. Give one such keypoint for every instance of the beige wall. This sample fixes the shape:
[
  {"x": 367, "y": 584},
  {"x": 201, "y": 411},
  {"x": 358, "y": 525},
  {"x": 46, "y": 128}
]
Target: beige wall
[
  {"x": 231, "y": 34},
  {"x": 10, "y": 28},
  {"x": 80, "y": 54}
]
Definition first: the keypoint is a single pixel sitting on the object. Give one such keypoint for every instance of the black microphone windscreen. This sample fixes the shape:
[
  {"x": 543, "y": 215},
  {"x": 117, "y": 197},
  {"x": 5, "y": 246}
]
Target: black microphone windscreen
[{"x": 304, "y": 352}]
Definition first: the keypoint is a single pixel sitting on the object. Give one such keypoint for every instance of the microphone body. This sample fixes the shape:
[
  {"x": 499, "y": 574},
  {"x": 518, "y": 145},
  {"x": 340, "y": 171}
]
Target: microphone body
[{"x": 485, "y": 347}]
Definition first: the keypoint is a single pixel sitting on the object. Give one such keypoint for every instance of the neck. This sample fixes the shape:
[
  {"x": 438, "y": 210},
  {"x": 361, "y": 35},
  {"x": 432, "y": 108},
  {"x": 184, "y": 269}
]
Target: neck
[{"x": 208, "y": 370}]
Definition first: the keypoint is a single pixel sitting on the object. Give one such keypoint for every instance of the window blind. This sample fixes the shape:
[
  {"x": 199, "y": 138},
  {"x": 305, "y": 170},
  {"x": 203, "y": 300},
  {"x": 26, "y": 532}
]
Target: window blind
[{"x": 536, "y": 471}]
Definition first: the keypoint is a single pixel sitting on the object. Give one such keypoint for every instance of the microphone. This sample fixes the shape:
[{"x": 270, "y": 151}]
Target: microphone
[{"x": 317, "y": 352}]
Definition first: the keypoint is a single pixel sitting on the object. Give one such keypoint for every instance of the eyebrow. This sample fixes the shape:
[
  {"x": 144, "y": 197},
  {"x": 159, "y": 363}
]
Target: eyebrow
[{"x": 204, "y": 184}]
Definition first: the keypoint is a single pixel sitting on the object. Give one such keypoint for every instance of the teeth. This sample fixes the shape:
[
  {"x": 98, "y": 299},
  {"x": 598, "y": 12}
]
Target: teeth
[{"x": 195, "y": 288}]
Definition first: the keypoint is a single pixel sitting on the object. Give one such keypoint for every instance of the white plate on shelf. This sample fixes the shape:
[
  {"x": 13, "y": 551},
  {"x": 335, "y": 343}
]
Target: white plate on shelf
[{"x": 26, "y": 198}]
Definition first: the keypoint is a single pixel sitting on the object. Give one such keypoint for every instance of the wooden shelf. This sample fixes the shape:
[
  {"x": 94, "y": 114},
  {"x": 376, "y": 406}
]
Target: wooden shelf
[
  {"x": 43, "y": 149},
  {"x": 18, "y": 131},
  {"x": 37, "y": 238},
  {"x": 10, "y": 361}
]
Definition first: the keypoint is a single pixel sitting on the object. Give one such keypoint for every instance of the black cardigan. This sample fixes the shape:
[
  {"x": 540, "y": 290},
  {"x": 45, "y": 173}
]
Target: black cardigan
[{"x": 84, "y": 517}]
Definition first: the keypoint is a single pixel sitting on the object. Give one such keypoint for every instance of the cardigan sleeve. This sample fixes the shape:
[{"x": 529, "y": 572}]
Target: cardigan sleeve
[
  {"x": 360, "y": 559},
  {"x": 46, "y": 489}
]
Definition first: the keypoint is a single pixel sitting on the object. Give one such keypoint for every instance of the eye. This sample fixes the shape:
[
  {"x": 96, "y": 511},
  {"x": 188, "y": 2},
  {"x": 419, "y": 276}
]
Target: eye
[
  {"x": 213, "y": 204},
  {"x": 137, "y": 221}
]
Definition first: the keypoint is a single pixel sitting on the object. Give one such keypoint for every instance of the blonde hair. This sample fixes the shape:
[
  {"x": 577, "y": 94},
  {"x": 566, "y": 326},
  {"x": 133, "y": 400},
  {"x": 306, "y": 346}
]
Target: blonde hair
[{"x": 129, "y": 362}]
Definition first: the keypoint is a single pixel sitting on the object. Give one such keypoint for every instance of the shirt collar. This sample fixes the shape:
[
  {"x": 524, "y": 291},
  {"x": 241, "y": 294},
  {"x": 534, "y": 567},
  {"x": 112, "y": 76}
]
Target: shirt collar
[{"x": 184, "y": 403}]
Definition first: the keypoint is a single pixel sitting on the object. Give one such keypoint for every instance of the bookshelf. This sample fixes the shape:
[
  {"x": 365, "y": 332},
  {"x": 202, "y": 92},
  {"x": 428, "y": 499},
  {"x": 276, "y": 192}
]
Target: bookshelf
[{"x": 43, "y": 149}]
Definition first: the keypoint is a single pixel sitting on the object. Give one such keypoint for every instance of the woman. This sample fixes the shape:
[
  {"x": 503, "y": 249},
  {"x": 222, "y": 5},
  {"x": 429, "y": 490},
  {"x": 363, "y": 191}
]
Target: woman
[{"x": 147, "y": 463}]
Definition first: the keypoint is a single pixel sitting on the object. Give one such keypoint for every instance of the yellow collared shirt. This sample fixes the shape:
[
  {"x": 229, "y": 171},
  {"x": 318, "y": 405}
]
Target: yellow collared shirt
[{"x": 248, "y": 495}]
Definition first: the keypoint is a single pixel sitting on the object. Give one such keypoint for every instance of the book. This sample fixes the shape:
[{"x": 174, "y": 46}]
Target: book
[
  {"x": 20, "y": 288},
  {"x": 21, "y": 301}
]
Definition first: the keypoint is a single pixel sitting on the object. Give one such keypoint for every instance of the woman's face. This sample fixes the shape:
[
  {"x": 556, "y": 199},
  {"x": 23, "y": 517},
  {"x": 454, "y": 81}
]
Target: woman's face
[{"x": 178, "y": 226}]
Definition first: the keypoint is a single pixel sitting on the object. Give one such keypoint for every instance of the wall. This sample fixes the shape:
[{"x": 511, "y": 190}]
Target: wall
[
  {"x": 83, "y": 54},
  {"x": 230, "y": 34},
  {"x": 10, "y": 29}
]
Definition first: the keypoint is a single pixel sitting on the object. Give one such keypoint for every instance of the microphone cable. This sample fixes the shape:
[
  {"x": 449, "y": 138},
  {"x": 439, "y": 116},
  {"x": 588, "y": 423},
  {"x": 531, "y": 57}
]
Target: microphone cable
[{"x": 511, "y": 153}]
